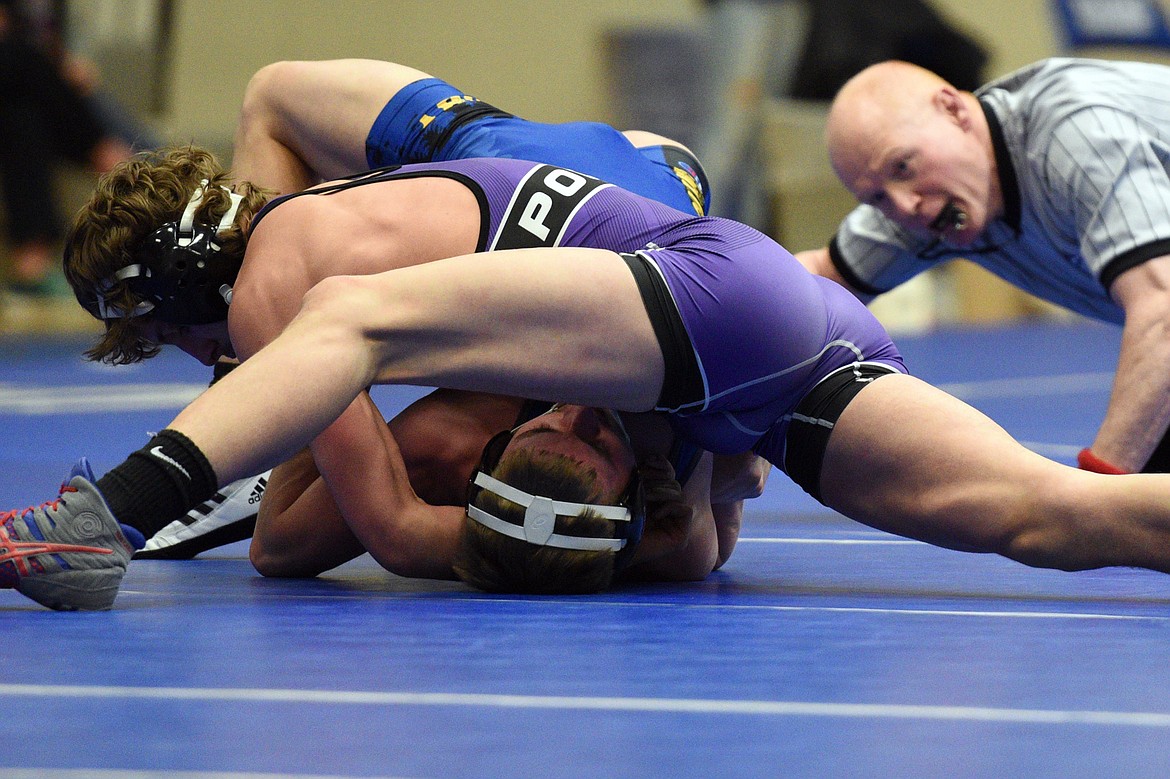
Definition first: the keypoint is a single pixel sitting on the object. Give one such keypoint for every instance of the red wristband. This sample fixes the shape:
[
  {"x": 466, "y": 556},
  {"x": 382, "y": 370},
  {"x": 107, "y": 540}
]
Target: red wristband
[{"x": 1091, "y": 462}]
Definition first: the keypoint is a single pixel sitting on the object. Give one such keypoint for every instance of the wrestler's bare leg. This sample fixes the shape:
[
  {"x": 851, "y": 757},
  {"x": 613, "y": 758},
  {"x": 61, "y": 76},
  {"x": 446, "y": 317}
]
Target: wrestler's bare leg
[
  {"x": 564, "y": 324},
  {"x": 907, "y": 458},
  {"x": 304, "y": 122}
]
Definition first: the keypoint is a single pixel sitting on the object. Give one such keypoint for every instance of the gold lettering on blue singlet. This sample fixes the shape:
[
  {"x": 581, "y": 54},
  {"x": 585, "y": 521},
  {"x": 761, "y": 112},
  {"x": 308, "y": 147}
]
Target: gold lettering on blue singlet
[
  {"x": 448, "y": 103},
  {"x": 691, "y": 185}
]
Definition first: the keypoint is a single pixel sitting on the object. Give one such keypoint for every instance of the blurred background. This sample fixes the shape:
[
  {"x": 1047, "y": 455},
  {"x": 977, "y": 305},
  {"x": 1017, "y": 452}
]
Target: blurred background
[{"x": 745, "y": 83}]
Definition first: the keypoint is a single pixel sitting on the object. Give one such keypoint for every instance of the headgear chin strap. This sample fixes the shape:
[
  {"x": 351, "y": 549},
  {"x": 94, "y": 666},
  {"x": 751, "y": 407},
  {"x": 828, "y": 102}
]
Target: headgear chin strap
[
  {"x": 540, "y": 515},
  {"x": 180, "y": 274}
]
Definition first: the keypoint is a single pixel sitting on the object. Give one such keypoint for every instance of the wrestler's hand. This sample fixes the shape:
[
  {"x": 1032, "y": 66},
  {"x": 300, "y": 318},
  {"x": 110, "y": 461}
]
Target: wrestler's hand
[
  {"x": 669, "y": 518},
  {"x": 737, "y": 477}
]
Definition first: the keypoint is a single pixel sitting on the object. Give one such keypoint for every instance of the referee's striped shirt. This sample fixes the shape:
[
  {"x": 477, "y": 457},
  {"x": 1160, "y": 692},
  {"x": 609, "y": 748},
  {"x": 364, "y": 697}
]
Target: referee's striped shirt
[{"x": 1083, "y": 150}]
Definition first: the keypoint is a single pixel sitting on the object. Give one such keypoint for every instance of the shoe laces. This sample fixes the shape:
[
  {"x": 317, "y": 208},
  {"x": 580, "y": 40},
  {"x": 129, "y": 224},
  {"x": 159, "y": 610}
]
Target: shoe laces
[{"x": 48, "y": 505}]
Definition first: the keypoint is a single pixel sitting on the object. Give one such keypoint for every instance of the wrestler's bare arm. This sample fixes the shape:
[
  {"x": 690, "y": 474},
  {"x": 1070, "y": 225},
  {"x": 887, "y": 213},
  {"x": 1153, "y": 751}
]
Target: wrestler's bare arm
[
  {"x": 306, "y": 122},
  {"x": 300, "y": 531},
  {"x": 403, "y": 533},
  {"x": 440, "y": 437},
  {"x": 734, "y": 479},
  {"x": 728, "y": 520},
  {"x": 680, "y": 542}
]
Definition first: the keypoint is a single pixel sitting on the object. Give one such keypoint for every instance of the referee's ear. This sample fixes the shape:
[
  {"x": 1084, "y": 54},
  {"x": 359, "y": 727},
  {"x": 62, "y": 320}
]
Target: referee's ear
[{"x": 949, "y": 101}]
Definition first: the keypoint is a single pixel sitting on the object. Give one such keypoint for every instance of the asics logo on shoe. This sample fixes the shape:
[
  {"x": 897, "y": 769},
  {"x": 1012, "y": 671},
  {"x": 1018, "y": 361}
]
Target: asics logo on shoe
[
  {"x": 67, "y": 554},
  {"x": 158, "y": 452},
  {"x": 23, "y": 553},
  {"x": 20, "y": 557}
]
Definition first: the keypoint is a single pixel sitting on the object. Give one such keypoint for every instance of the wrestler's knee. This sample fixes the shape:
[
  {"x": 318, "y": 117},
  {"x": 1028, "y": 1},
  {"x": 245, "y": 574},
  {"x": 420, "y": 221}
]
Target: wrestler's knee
[
  {"x": 339, "y": 311},
  {"x": 1047, "y": 526},
  {"x": 264, "y": 92},
  {"x": 259, "y": 91}
]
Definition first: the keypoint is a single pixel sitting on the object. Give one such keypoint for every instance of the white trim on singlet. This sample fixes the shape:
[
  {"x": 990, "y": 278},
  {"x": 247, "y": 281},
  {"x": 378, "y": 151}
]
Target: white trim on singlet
[{"x": 709, "y": 399}]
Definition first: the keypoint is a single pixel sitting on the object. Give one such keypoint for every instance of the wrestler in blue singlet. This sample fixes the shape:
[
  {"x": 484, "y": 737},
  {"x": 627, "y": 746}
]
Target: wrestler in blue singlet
[
  {"x": 431, "y": 121},
  {"x": 707, "y": 283}
]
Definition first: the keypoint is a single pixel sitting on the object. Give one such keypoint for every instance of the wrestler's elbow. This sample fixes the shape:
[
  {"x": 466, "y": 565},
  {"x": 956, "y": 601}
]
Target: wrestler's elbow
[
  {"x": 699, "y": 569},
  {"x": 698, "y": 560},
  {"x": 339, "y": 309},
  {"x": 272, "y": 564}
]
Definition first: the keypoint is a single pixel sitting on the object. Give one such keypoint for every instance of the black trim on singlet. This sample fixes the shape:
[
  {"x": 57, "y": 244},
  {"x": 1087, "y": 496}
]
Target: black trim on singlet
[
  {"x": 688, "y": 157},
  {"x": 814, "y": 417},
  {"x": 682, "y": 384},
  {"x": 542, "y": 206},
  {"x": 1131, "y": 259},
  {"x": 386, "y": 173},
  {"x": 675, "y": 154},
  {"x": 465, "y": 114}
]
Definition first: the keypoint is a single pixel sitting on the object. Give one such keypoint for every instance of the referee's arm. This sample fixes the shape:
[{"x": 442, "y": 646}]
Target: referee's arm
[{"x": 1139, "y": 406}]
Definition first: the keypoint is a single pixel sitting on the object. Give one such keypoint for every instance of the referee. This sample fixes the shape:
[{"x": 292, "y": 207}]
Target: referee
[{"x": 1055, "y": 177}]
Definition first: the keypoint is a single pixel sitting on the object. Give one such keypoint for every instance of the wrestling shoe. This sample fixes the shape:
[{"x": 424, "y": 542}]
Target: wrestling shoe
[
  {"x": 70, "y": 553},
  {"x": 229, "y": 516}
]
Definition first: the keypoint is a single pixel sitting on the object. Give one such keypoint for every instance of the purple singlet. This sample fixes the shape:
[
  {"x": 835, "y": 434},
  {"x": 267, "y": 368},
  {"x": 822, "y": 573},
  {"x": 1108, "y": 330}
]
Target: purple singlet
[{"x": 758, "y": 330}]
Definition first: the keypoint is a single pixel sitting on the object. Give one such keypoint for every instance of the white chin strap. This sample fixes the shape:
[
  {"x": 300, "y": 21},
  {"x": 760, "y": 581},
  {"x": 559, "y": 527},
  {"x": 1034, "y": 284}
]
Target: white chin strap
[
  {"x": 108, "y": 312},
  {"x": 540, "y": 516}
]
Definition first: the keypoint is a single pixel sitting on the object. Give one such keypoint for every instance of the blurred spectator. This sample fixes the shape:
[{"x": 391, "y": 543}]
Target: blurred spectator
[
  {"x": 805, "y": 49},
  {"x": 847, "y": 36},
  {"x": 47, "y": 114},
  {"x": 752, "y": 50}
]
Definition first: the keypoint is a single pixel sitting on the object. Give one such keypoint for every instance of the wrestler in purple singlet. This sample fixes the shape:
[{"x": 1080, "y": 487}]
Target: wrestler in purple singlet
[{"x": 758, "y": 332}]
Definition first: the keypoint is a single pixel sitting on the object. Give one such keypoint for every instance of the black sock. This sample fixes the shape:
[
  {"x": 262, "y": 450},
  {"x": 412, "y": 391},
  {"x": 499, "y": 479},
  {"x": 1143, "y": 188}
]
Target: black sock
[{"x": 159, "y": 483}]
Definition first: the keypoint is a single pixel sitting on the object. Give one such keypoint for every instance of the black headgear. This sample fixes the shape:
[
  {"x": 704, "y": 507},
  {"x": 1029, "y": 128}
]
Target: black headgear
[
  {"x": 540, "y": 513},
  {"x": 179, "y": 273}
]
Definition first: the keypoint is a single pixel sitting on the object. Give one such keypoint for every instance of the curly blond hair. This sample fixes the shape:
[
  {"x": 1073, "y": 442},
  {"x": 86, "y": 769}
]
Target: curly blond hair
[{"x": 131, "y": 202}]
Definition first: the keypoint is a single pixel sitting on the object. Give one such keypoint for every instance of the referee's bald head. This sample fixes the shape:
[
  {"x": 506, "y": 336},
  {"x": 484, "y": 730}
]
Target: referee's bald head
[{"x": 887, "y": 98}]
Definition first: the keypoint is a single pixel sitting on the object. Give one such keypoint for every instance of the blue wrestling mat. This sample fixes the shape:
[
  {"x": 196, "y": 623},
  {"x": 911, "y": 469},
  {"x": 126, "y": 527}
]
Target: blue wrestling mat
[{"x": 822, "y": 649}]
